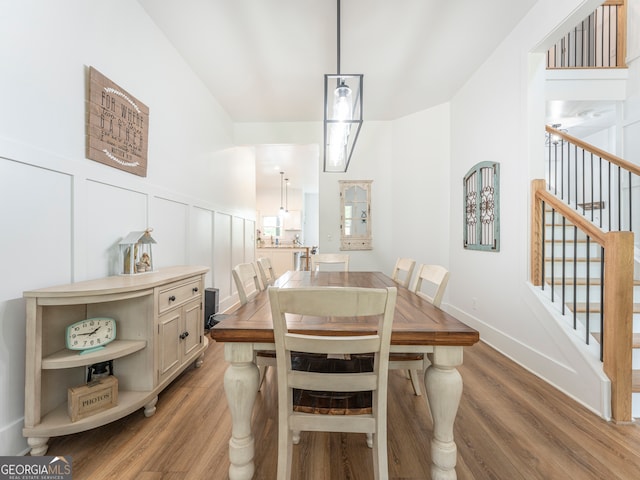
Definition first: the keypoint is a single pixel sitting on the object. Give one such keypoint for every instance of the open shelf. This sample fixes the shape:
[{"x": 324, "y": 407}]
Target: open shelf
[
  {"x": 57, "y": 422},
  {"x": 68, "y": 358}
]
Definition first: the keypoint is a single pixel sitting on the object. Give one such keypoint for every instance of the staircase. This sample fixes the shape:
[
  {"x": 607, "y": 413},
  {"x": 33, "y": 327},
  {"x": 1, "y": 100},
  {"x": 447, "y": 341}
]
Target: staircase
[{"x": 572, "y": 271}]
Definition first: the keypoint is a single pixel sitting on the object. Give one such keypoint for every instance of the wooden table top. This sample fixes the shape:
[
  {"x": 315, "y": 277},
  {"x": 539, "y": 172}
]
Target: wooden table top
[{"x": 416, "y": 321}]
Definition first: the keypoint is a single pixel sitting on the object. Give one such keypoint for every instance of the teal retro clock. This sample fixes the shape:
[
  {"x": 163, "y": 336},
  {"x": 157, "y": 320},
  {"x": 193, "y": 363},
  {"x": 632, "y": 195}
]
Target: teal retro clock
[{"x": 91, "y": 334}]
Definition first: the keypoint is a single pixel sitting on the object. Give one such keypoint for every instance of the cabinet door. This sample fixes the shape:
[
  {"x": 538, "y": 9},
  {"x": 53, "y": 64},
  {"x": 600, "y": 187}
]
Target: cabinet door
[
  {"x": 194, "y": 326},
  {"x": 169, "y": 355}
]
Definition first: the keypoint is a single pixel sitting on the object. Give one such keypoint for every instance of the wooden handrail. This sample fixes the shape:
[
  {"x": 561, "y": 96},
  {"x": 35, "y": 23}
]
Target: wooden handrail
[
  {"x": 573, "y": 216},
  {"x": 620, "y": 162},
  {"x": 618, "y": 293}
]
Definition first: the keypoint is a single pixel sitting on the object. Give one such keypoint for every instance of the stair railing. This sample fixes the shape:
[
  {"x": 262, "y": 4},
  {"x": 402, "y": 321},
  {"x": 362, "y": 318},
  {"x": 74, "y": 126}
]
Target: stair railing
[
  {"x": 616, "y": 290},
  {"x": 599, "y": 41},
  {"x": 592, "y": 180}
]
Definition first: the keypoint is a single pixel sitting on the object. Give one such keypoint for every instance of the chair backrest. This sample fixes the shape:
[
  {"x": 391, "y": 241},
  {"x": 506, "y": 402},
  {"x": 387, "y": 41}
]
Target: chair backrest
[
  {"x": 267, "y": 274},
  {"x": 247, "y": 282},
  {"x": 329, "y": 258},
  {"x": 334, "y": 302},
  {"x": 431, "y": 282},
  {"x": 403, "y": 270}
]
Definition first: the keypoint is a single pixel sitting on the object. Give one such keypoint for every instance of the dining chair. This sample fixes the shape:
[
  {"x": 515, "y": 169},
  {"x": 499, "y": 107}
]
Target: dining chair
[
  {"x": 329, "y": 259},
  {"x": 248, "y": 285},
  {"x": 430, "y": 283},
  {"x": 247, "y": 282},
  {"x": 335, "y": 302},
  {"x": 403, "y": 271},
  {"x": 267, "y": 274}
]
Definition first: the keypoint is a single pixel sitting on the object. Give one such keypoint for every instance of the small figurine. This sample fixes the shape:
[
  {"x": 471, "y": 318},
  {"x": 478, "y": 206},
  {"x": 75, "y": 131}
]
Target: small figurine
[{"x": 146, "y": 259}]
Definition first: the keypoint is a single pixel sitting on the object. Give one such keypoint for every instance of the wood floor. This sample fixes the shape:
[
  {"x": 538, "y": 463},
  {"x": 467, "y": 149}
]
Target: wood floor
[{"x": 510, "y": 426}]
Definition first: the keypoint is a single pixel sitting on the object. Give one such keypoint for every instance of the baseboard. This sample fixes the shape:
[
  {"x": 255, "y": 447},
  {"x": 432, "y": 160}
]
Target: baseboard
[
  {"x": 578, "y": 374},
  {"x": 12, "y": 442}
]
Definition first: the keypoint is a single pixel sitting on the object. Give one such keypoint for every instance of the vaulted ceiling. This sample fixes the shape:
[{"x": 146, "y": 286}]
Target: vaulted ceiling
[{"x": 264, "y": 60}]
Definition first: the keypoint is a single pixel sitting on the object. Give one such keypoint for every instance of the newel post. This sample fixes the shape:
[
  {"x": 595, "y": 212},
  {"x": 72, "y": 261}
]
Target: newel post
[
  {"x": 618, "y": 315},
  {"x": 537, "y": 228}
]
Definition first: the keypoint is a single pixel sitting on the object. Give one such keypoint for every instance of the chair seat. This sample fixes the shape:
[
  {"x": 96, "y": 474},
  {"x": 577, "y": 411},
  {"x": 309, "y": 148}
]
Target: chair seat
[
  {"x": 331, "y": 403},
  {"x": 405, "y": 357}
]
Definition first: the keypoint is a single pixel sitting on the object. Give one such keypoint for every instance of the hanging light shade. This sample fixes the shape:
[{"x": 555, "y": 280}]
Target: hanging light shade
[
  {"x": 286, "y": 195},
  {"x": 342, "y": 114},
  {"x": 281, "y": 193}
]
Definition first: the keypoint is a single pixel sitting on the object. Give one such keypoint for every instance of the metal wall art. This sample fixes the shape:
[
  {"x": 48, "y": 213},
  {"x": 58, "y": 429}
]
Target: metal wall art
[{"x": 482, "y": 207}]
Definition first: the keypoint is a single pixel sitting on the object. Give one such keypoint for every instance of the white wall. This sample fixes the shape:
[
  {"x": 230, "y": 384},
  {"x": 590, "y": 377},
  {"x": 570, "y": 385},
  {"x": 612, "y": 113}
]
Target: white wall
[
  {"x": 495, "y": 117},
  {"x": 421, "y": 212},
  {"x": 62, "y": 214}
]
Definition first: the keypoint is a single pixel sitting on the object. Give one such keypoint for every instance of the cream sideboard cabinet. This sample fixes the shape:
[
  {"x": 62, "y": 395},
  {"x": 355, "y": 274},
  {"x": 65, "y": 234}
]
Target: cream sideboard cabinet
[{"x": 159, "y": 332}]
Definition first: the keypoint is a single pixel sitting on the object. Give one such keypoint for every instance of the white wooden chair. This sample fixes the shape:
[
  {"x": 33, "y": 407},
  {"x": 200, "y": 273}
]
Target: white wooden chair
[
  {"x": 248, "y": 285},
  {"x": 403, "y": 271},
  {"x": 329, "y": 258},
  {"x": 336, "y": 302},
  {"x": 267, "y": 274},
  {"x": 430, "y": 283}
]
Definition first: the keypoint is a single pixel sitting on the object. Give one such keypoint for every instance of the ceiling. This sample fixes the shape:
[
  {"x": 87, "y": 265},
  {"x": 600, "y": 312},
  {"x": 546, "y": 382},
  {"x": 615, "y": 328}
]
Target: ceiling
[
  {"x": 265, "y": 60},
  {"x": 581, "y": 118}
]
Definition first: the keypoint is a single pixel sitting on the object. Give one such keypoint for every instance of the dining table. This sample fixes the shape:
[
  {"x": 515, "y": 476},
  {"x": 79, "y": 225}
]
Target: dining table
[{"x": 418, "y": 327}]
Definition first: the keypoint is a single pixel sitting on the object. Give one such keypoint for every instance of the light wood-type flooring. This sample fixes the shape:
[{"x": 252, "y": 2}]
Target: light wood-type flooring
[{"x": 510, "y": 426}]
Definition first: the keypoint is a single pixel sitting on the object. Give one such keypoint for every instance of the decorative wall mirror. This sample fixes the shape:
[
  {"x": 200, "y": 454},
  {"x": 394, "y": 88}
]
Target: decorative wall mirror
[{"x": 355, "y": 215}]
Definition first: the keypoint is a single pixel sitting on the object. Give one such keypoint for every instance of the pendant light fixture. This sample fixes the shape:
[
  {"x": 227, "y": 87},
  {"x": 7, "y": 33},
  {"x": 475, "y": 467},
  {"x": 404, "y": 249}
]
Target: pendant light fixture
[
  {"x": 281, "y": 193},
  {"x": 286, "y": 195},
  {"x": 342, "y": 114}
]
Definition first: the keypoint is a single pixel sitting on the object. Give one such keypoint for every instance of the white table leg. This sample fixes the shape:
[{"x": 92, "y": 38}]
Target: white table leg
[
  {"x": 444, "y": 389},
  {"x": 241, "y": 387}
]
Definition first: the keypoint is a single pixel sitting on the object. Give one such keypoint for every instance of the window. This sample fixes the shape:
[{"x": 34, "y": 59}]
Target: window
[{"x": 271, "y": 226}]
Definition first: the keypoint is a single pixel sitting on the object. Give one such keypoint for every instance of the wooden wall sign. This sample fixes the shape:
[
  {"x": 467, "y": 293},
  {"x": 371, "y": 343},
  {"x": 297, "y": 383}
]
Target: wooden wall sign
[{"x": 118, "y": 126}]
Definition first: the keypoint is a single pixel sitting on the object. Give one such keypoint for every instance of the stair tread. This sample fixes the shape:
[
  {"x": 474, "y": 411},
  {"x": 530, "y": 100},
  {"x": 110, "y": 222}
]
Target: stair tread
[
  {"x": 635, "y": 343},
  {"x": 569, "y": 240},
  {"x": 581, "y": 281},
  {"x": 581, "y": 307},
  {"x": 570, "y": 259}
]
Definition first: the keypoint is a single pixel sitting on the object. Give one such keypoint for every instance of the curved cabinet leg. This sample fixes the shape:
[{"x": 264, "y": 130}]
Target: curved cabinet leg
[
  {"x": 444, "y": 389},
  {"x": 241, "y": 382},
  {"x": 38, "y": 445},
  {"x": 150, "y": 408}
]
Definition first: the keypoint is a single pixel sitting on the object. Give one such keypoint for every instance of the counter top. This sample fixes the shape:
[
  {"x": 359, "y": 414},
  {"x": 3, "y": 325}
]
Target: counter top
[{"x": 283, "y": 247}]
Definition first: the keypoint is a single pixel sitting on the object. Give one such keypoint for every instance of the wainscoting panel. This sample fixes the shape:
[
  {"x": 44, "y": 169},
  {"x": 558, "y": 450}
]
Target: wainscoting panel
[
  {"x": 169, "y": 220},
  {"x": 222, "y": 258},
  {"x": 111, "y": 212}
]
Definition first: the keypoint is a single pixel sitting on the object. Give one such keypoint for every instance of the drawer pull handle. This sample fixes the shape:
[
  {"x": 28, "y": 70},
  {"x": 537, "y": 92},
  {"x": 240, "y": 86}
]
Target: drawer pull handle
[
  {"x": 195, "y": 289},
  {"x": 172, "y": 298},
  {"x": 184, "y": 335}
]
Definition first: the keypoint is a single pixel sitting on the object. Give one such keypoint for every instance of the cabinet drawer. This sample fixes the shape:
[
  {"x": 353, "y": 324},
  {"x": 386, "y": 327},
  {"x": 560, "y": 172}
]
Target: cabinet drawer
[{"x": 178, "y": 293}]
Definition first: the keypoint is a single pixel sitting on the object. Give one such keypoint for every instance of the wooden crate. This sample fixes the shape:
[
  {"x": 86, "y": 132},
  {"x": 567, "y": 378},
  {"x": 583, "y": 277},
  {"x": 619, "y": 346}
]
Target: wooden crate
[{"x": 93, "y": 397}]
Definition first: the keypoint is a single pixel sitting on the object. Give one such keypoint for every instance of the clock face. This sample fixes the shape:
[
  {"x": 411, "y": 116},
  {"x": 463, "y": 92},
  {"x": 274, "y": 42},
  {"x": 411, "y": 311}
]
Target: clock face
[{"x": 91, "y": 334}]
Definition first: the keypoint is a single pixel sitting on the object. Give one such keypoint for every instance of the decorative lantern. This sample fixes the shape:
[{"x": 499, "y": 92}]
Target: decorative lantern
[{"x": 135, "y": 253}]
